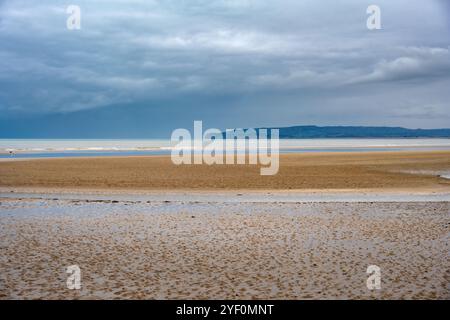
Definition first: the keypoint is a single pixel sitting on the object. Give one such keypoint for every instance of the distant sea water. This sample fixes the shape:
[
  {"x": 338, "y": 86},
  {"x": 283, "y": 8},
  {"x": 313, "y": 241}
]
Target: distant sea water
[{"x": 48, "y": 148}]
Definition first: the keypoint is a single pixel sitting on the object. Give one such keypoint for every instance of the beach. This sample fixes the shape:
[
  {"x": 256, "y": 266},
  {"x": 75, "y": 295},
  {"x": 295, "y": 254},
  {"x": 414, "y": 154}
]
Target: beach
[
  {"x": 128, "y": 249},
  {"x": 241, "y": 151},
  {"x": 298, "y": 171},
  {"x": 142, "y": 228}
]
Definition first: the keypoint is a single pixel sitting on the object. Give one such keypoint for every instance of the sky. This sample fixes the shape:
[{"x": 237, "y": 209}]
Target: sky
[{"x": 142, "y": 68}]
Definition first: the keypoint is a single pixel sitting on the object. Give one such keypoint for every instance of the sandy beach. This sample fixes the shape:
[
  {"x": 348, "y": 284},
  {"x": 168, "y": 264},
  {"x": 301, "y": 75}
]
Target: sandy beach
[
  {"x": 141, "y": 228},
  {"x": 222, "y": 250},
  {"x": 321, "y": 171}
]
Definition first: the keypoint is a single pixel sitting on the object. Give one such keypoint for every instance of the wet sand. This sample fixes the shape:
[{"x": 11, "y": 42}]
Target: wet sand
[
  {"x": 322, "y": 171},
  {"x": 212, "y": 249}
]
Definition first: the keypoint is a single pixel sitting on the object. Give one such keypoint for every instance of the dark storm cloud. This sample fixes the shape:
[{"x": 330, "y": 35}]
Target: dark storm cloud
[{"x": 270, "y": 62}]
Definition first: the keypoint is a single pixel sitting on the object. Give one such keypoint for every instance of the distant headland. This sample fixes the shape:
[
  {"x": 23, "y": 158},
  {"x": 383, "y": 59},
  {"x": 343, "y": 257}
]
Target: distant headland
[{"x": 310, "y": 132}]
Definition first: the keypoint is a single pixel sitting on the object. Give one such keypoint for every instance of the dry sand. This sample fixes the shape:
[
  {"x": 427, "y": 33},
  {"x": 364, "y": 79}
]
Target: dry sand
[
  {"x": 216, "y": 250},
  {"x": 325, "y": 171}
]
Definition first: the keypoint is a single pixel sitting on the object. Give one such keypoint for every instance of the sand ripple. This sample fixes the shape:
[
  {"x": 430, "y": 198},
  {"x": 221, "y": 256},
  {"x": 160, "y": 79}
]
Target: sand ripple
[{"x": 180, "y": 250}]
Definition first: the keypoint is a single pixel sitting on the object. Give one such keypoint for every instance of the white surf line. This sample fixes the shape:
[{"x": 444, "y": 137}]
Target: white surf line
[{"x": 237, "y": 197}]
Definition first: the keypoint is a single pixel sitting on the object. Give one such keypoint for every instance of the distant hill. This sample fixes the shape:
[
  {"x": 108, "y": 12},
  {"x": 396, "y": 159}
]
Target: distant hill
[{"x": 302, "y": 132}]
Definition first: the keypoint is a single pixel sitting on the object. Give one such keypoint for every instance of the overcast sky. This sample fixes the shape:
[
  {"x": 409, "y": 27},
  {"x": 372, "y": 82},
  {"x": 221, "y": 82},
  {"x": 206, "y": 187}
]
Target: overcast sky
[{"x": 144, "y": 68}]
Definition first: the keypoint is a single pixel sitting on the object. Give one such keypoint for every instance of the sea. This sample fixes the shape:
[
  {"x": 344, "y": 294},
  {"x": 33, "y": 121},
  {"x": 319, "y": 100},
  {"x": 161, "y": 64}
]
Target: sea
[{"x": 55, "y": 148}]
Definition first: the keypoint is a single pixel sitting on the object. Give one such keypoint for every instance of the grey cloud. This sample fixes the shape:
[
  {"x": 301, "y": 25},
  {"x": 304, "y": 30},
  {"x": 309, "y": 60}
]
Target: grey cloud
[
  {"x": 420, "y": 63},
  {"x": 426, "y": 111},
  {"x": 296, "y": 54}
]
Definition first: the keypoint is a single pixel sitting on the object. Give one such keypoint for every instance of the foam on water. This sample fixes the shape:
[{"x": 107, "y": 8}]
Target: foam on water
[{"x": 30, "y": 148}]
